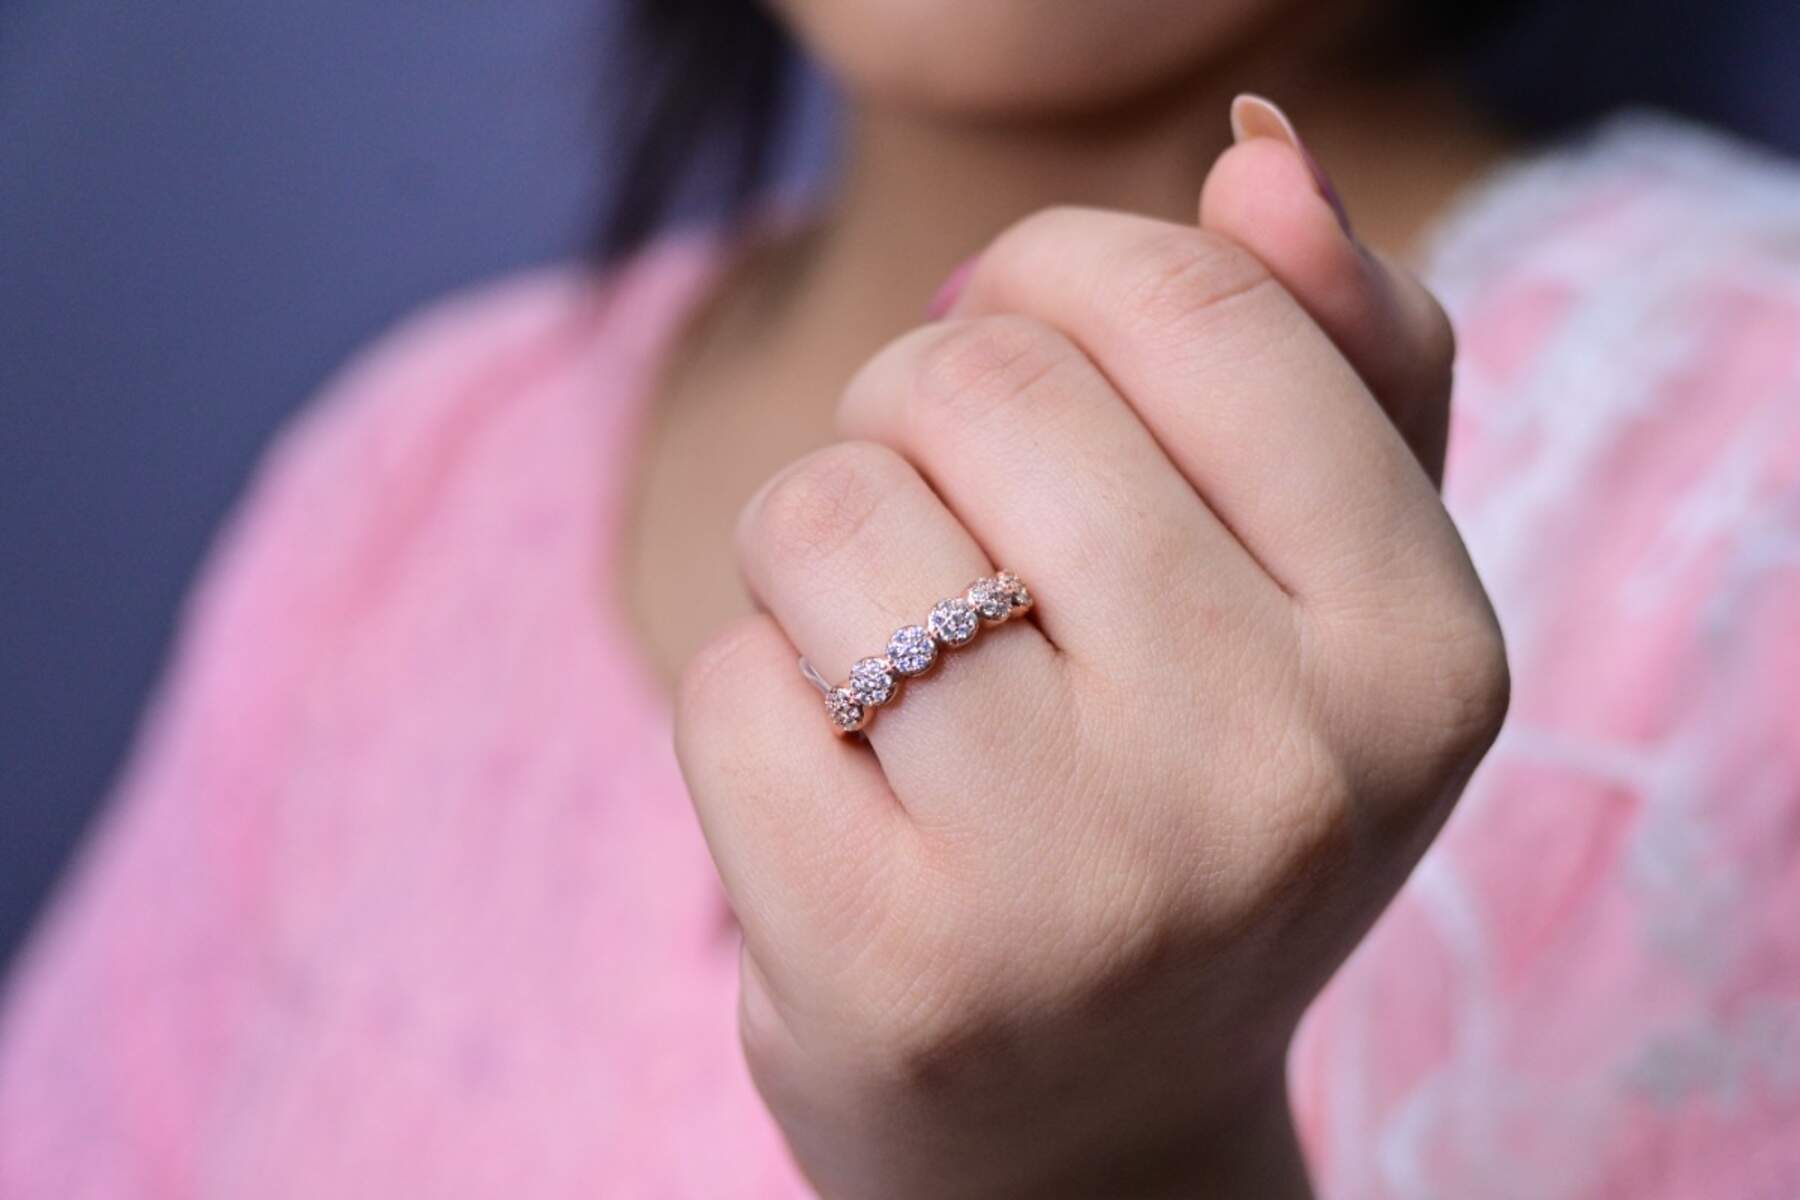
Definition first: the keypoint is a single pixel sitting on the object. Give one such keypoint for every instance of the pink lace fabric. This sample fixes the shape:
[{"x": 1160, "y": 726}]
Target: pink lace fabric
[
  {"x": 401, "y": 894},
  {"x": 1591, "y": 986}
]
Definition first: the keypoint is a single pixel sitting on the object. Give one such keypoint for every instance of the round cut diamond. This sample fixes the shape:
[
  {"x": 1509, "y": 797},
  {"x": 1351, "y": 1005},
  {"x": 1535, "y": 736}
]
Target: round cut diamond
[
  {"x": 1015, "y": 587},
  {"x": 911, "y": 650},
  {"x": 953, "y": 622},
  {"x": 873, "y": 682},
  {"x": 990, "y": 599},
  {"x": 846, "y": 712}
]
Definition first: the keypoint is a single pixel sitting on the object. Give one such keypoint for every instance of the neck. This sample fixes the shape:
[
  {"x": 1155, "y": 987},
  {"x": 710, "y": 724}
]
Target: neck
[{"x": 918, "y": 194}]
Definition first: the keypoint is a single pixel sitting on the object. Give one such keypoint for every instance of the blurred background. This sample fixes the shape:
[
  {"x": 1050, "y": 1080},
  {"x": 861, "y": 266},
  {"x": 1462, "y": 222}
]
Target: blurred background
[{"x": 205, "y": 206}]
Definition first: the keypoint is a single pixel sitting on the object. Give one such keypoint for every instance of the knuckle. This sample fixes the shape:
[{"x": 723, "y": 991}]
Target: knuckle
[
  {"x": 1476, "y": 680},
  {"x": 1439, "y": 348},
  {"x": 1431, "y": 696},
  {"x": 931, "y": 1038},
  {"x": 1429, "y": 335},
  {"x": 761, "y": 1040},
  {"x": 971, "y": 368},
  {"x": 1311, "y": 831},
  {"x": 763, "y": 1034},
  {"x": 933, "y": 1055},
  {"x": 1043, "y": 231},
  {"x": 1451, "y": 687},
  {"x": 741, "y": 650},
  {"x": 817, "y": 505},
  {"x": 1174, "y": 277},
  {"x": 917, "y": 994}
]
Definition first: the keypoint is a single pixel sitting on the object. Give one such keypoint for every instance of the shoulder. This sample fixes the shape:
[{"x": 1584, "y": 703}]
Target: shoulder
[
  {"x": 488, "y": 400},
  {"x": 1638, "y": 284},
  {"x": 424, "y": 388},
  {"x": 493, "y": 340},
  {"x": 1643, "y": 222},
  {"x": 411, "y": 464},
  {"x": 365, "y": 444},
  {"x": 1639, "y": 189},
  {"x": 432, "y": 363}
]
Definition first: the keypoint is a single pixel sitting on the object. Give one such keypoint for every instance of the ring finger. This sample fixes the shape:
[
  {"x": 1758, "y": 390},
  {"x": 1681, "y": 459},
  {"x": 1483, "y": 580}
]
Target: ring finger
[{"x": 848, "y": 546}]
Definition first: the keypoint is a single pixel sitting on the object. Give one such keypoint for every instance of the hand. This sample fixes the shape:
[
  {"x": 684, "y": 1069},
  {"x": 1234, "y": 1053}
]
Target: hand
[{"x": 1053, "y": 934}]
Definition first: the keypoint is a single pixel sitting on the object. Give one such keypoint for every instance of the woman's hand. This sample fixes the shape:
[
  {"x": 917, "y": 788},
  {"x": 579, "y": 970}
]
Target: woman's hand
[{"x": 1052, "y": 936}]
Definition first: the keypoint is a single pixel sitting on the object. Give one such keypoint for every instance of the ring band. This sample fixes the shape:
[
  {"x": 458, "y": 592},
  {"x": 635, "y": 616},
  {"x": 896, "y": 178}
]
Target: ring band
[{"x": 913, "y": 649}]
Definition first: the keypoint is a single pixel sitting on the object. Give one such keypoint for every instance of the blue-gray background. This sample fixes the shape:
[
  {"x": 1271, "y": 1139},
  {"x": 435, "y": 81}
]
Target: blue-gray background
[{"x": 205, "y": 205}]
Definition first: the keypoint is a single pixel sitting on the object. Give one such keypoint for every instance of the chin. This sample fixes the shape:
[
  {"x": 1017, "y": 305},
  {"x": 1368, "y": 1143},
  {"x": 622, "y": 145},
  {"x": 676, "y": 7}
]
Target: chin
[{"x": 1019, "y": 58}]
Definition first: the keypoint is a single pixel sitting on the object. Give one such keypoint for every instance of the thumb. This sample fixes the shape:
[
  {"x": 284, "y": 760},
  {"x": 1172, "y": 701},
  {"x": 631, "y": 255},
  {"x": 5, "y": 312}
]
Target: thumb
[{"x": 1269, "y": 195}]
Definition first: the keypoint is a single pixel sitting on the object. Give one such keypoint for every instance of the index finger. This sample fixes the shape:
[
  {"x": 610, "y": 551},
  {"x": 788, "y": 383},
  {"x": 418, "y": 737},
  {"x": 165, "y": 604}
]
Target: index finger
[{"x": 1243, "y": 389}]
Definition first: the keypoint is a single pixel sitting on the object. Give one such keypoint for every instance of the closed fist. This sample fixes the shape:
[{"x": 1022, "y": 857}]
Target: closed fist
[{"x": 1049, "y": 930}]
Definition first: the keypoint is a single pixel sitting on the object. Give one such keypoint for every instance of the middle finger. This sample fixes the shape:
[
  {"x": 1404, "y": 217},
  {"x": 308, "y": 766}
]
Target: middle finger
[{"x": 1050, "y": 468}]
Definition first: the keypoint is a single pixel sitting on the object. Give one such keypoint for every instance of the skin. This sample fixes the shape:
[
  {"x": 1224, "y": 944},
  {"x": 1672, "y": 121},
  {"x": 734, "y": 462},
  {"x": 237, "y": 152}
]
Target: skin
[{"x": 1050, "y": 931}]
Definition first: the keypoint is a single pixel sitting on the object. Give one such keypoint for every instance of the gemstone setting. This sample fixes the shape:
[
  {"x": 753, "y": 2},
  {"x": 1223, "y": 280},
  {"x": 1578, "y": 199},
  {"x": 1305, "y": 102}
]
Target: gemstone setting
[
  {"x": 991, "y": 599},
  {"x": 873, "y": 681},
  {"x": 914, "y": 649},
  {"x": 1016, "y": 589},
  {"x": 847, "y": 713},
  {"x": 911, "y": 650},
  {"x": 953, "y": 622}
]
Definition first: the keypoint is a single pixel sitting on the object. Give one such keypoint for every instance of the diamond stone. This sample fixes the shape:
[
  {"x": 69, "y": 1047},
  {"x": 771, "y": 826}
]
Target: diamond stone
[
  {"x": 991, "y": 599},
  {"x": 1021, "y": 595},
  {"x": 953, "y": 622},
  {"x": 873, "y": 682},
  {"x": 846, "y": 712},
  {"x": 911, "y": 650}
]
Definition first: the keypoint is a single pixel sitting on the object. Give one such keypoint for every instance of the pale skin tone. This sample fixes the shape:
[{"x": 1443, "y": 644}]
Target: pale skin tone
[{"x": 1048, "y": 932}]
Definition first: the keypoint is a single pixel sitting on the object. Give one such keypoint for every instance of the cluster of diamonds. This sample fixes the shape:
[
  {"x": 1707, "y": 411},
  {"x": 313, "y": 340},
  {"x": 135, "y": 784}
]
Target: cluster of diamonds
[{"x": 913, "y": 649}]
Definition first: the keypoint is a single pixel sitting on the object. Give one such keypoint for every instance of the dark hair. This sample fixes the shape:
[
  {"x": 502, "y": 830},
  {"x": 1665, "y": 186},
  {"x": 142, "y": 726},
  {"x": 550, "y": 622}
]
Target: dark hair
[{"x": 703, "y": 84}]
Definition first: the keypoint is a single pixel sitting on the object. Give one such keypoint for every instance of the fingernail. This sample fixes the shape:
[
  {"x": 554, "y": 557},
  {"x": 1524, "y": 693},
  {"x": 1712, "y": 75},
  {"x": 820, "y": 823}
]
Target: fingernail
[
  {"x": 951, "y": 289},
  {"x": 1253, "y": 116}
]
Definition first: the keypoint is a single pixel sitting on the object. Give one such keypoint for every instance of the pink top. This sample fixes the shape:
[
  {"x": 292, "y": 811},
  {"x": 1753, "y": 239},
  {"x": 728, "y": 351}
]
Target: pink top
[{"x": 401, "y": 895}]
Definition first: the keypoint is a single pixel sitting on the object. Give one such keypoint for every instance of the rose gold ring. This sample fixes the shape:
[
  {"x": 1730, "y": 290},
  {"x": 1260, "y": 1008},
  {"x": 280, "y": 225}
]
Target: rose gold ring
[{"x": 913, "y": 650}]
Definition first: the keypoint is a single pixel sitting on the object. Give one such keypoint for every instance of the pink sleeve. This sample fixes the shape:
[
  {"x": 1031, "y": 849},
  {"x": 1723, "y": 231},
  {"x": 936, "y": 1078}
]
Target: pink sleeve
[
  {"x": 141, "y": 977},
  {"x": 1591, "y": 986}
]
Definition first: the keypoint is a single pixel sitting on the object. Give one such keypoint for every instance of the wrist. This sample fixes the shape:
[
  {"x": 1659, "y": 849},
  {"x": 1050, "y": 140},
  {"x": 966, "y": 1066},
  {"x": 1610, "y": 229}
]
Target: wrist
[
  {"x": 1248, "y": 1148},
  {"x": 1253, "y": 1152}
]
